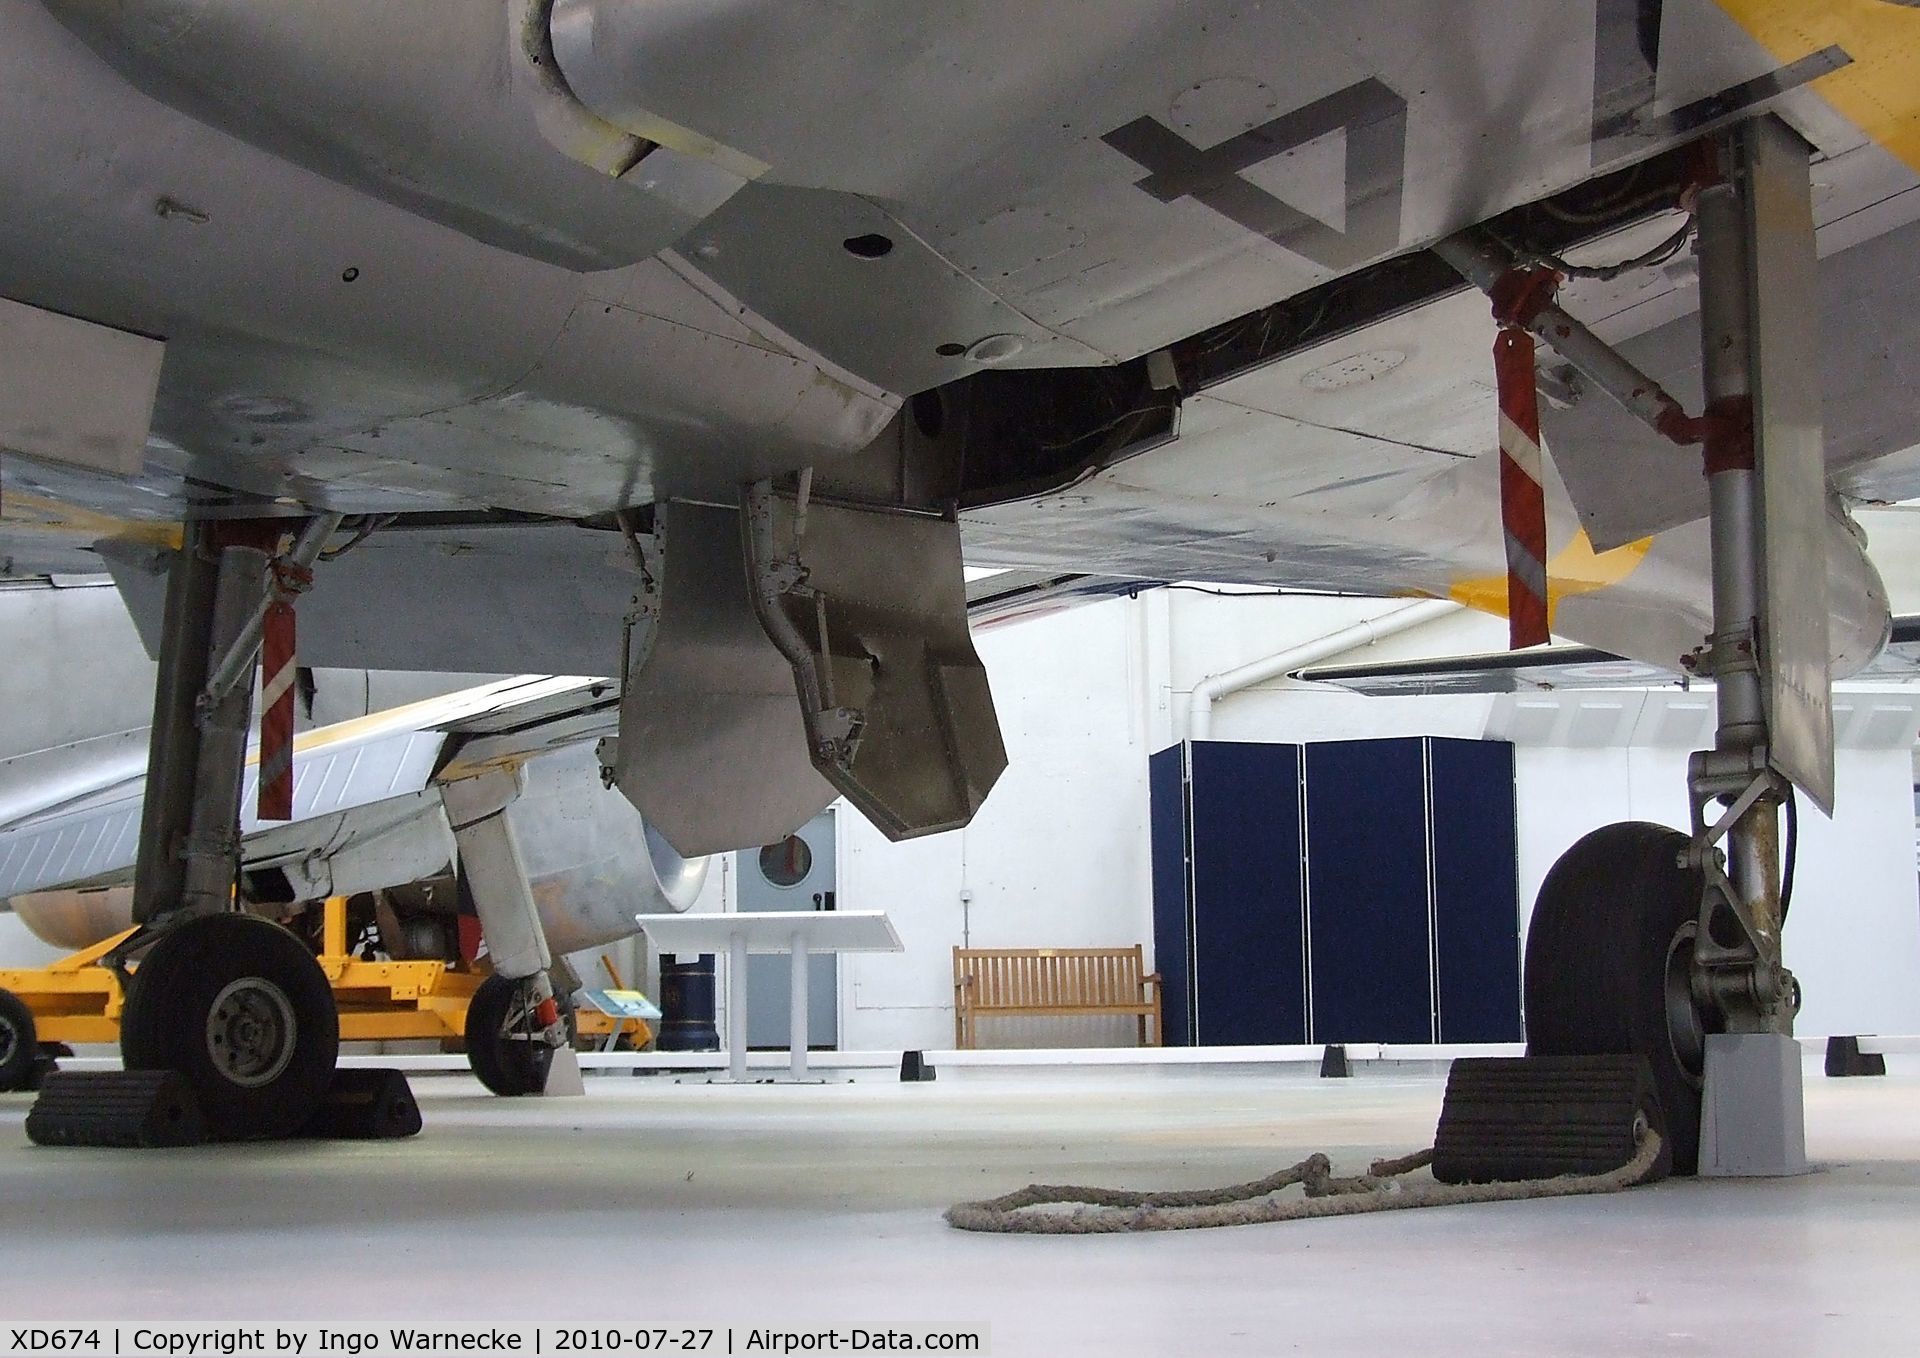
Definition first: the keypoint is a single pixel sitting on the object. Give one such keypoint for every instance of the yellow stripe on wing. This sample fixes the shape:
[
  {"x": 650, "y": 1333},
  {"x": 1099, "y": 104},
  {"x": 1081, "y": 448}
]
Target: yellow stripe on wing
[{"x": 1879, "y": 91}]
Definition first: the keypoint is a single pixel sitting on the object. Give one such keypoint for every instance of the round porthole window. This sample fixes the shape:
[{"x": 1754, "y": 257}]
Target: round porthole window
[{"x": 788, "y": 862}]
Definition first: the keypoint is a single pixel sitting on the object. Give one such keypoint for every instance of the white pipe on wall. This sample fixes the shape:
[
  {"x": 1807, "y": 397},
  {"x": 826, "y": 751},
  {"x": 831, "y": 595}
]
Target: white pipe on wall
[{"x": 1217, "y": 686}]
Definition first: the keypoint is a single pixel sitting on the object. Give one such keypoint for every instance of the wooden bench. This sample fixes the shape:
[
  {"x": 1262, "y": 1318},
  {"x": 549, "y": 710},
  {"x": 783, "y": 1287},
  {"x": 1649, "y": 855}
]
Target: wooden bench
[{"x": 1008, "y": 982}]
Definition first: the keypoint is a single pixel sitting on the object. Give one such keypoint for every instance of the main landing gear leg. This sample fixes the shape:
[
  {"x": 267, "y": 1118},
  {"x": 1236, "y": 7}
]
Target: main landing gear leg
[
  {"x": 1646, "y": 941},
  {"x": 1769, "y": 651},
  {"x": 233, "y": 1002}
]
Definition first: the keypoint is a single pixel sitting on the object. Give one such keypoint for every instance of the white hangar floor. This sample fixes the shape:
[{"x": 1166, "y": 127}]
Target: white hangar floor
[{"x": 820, "y": 1205}]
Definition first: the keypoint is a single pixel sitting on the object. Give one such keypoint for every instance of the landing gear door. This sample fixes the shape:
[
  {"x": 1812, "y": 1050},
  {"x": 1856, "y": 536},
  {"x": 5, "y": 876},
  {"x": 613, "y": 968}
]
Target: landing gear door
[
  {"x": 712, "y": 748},
  {"x": 1783, "y": 306},
  {"x": 872, "y": 604}
]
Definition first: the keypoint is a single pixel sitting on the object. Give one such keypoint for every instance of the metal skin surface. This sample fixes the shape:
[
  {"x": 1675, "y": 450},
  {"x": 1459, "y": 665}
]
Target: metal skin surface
[
  {"x": 338, "y": 88},
  {"x": 1790, "y": 452},
  {"x": 1621, "y": 473},
  {"x": 705, "y": 691},
  {"x": 326, "y": 345},
  {"x": 495, "y": 873},
  {"x": 1083, "y": 173},
  {"x": 591, "y": 860},
  {"x": 452, "y": 373},
  {"x": 1431, "y": 529},
  {"x": 372, "y": 238},
  {"x": 73, "y": 391},
  {"x": 552, "y": 591},
  {"x": 894, "y": 645}
]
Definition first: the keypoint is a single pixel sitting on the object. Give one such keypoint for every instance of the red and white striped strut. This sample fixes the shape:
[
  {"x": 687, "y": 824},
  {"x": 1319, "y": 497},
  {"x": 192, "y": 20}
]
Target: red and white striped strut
[
  {"x": 278, "y": 668},
  {"x": 1523, "y": 501}
]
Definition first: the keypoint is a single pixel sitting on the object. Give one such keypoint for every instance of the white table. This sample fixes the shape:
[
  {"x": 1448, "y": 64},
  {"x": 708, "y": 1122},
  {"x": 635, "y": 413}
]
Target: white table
[{"x": 797, "y": 932}]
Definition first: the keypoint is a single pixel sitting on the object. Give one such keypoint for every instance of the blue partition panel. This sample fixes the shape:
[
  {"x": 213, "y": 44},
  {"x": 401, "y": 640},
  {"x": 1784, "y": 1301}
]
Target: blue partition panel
[
  {"x": 1476, "y": 910},
  {"x": 1367, "y": 884},
  {"x": 1167, "y": 824},
  {"x": 1250, "y": 982}
]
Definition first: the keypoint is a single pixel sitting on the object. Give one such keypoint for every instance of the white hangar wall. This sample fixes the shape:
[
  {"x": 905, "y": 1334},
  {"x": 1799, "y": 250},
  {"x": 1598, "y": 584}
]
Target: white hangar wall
[{"x": 1059, "y": 856}]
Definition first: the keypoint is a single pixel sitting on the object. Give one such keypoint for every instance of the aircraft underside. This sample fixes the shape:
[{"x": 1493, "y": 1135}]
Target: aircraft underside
[{"x": 697, "y": 345}]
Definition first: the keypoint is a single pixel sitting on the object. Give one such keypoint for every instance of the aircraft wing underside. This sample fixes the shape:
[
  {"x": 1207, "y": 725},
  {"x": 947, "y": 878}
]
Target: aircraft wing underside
[
  {"x": 706, "y": 343},
  {"x": 1149, "y": 290},
  {"x": 787, "y": 258}
]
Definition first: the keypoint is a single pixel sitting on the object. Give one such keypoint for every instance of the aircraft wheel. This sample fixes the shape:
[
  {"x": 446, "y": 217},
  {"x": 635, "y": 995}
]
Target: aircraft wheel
[
  {"x": 238, "y": 1005},
  {"x": 502, "y": 1046},
  {"x": 1609, "y": 956},
  {"x": 19, "y": 1048}
]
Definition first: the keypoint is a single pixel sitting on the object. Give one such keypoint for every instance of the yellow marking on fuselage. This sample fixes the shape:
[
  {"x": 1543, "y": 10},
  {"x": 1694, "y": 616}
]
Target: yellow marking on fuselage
[
  {"x": 27, "y": 510},
  {"x": 1879, "y": 90},
  {"x": 1575, "y": 569}
]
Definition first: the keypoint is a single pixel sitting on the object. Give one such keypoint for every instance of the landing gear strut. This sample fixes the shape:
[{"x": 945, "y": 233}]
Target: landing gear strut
[
  {"x": 514, "y": 1023},
  {"x": 1646, "y": 941},
  {"x": 235, "y": 1003}
]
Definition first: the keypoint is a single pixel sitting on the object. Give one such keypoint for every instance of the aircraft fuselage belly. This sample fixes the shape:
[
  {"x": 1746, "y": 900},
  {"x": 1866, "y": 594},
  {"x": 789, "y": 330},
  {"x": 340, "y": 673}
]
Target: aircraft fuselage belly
[{"x": 329, "y": 347}]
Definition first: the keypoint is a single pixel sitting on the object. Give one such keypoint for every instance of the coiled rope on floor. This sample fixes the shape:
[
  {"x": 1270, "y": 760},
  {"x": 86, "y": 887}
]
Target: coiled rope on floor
[{"x": 1383, "y": 1188}]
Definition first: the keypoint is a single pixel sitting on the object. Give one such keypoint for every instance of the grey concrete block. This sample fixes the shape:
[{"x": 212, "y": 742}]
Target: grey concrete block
[{"x": 1752, "y": 1116}]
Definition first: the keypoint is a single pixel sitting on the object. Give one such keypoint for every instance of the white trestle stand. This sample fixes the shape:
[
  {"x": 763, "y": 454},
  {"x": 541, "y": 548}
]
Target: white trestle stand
[
  {"x": 1751, "y": 1119},
  {"x": 798, "y": 933}
]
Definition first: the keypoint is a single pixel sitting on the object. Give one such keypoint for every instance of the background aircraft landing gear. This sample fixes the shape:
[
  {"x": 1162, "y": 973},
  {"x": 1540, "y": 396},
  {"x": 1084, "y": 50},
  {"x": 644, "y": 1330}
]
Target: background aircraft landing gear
[
  {"x": 236, "y": 1004},
  {"x": 514, "y": 1022},
  {"x": 506, "y": 1042},
  {"x": 1609, "y": 965},
  {"x": 19, "y": 1044}
]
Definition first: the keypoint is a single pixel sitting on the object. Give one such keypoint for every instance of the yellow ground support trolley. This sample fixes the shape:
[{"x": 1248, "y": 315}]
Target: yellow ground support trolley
[{"x": 76, "y": 1000}]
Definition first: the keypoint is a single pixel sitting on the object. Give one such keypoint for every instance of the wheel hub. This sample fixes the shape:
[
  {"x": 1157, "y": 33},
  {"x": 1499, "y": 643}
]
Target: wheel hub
[
  {"x": 9, "y": 1042},
  {"x": 519, "y": 1015},
  {"x": 251, "y": 1032},
  {"x": 1685, "y": 1028}
]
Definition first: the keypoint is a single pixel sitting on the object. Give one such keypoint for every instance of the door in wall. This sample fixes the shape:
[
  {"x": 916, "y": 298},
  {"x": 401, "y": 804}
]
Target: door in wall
[{"x": 798, "y": 873}]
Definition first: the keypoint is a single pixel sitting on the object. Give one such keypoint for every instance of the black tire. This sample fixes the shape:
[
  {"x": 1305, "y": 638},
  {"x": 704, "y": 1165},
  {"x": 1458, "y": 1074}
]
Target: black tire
[
  {"x": 507, "y": 1064},
  {"x": 19, "y": 1046},
  {"x": 1608, "y": 954},
  {"x": 238, "y": 1005}
]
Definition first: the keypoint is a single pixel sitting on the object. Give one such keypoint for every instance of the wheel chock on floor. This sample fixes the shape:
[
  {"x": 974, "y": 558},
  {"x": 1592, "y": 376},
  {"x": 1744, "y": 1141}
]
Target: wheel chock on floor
[
  {"x": 1333, "y": 1064},
  {"x": 1535, "y": 1117},
  {"x": 563, "y": 1076},
  {"x": 1845, "y": 1058},
  {"x": 365, "y": 1105},
  {"x": 915, "y": 1068},
  {"x": 144, "y": 1109}
]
